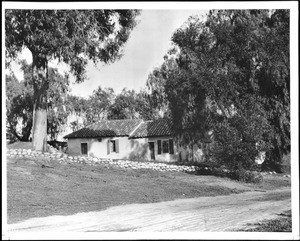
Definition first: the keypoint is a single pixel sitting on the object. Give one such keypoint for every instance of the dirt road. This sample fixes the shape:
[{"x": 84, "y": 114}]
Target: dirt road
[{"x": 221, "y": 213}]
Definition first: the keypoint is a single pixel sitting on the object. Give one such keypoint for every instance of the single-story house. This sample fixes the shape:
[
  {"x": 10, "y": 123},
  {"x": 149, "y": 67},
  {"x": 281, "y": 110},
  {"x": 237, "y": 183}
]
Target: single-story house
[{"x": 125, "y": 139}]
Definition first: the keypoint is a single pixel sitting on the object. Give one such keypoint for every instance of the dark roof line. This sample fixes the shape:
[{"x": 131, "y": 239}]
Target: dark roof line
[
  {"x": 153, "y": 128},
  {"x": 106, "y": 128},
  {"x": 134, "y": 128}
]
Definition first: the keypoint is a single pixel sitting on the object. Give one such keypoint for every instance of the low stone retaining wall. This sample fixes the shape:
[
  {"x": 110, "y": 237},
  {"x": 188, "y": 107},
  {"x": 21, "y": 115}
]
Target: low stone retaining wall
[
  {"x": 126, "y": 164},
  {"x": 63, "y": 158}
]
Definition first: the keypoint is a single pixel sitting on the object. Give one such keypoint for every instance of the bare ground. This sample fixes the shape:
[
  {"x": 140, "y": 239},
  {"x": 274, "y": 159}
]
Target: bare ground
[{"x": 221, "y": 213}]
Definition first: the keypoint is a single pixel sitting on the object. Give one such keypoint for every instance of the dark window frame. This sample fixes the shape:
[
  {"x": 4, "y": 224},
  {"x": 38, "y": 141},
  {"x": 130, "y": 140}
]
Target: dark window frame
[
  {"x": 84, "y": 148},
  {"x": 171, "y": 146},
  {"x": 159, "y": 149},
  {"x": 113, "y": 146},
  {"x": 165, "y": 146}
]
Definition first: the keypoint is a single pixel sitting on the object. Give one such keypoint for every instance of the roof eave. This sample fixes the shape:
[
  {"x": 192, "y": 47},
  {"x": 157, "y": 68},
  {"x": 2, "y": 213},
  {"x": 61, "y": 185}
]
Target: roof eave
[
  {"x": 138, "y": 137},
  {"x": 74, "y": 137}
]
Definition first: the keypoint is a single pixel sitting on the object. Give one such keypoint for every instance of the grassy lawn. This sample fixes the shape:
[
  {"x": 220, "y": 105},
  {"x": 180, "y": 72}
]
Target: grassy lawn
[
  {"x": 281, "y": 224},
  {"x": 43, "y": 188}
]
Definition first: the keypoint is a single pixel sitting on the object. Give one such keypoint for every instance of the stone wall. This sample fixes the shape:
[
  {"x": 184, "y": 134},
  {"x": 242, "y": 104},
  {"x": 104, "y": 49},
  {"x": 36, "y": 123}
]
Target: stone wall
[{"x": 63, "y": 158}]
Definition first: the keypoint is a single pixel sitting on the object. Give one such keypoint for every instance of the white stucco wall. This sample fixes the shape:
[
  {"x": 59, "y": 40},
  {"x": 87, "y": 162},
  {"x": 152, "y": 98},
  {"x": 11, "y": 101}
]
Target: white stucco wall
[
  {"x": 128, "y": 148},
  {"x": 196, "y": 154},
  {"x": 98, "y": 148}
]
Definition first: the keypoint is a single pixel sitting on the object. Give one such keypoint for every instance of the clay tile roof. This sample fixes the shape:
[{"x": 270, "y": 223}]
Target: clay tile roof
[
  {"x": 106, "y": 128},
  {"x": 153, "y": 128}
]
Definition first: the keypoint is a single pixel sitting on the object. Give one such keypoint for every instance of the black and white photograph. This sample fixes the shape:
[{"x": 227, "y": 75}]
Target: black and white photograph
[{"x": 150, "y": 120}]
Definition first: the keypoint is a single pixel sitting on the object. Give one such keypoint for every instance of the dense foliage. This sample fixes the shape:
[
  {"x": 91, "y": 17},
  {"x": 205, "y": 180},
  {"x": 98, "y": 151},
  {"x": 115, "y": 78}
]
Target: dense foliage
[
  {"x": 19, "y": 104},
  {"x": 18, "y": 109},
  {"x": 69, "y": 110},
  {"x": 105, "y": 104},
  {"x": 94, "y": 107},
  {"x": 132, "y": 105},
  {"x": 230, "y": 78}
]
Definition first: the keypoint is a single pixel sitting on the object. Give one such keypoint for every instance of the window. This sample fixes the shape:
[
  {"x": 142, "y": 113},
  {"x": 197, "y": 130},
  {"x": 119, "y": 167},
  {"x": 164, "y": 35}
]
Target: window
[
  {"x": 112, "y": 146},
  {"x": 171, "y": 146},
  {"x": 158, "y": 146},
  {"x": 165, "y": 146},
  {"x": 83, "y": 148}
]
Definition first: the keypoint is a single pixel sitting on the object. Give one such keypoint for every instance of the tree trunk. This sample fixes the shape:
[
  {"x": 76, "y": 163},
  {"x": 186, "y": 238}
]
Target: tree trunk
[{"x": 40, "y": 87}]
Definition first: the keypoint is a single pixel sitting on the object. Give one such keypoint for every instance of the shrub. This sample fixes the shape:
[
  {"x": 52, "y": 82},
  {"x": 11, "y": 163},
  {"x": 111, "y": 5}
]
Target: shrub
[
  {"x": 239, "y": 139},
  {"x": 280, "y": 165},
  {"x": 204, "y": 168},
  {"x": 246, "y": 176}
]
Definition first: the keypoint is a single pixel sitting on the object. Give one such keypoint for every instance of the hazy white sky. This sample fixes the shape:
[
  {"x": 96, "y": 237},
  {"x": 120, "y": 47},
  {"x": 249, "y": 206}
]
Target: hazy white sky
[
  {"x": 145, "y": 49},
  {"x": 148, "y": 43}
]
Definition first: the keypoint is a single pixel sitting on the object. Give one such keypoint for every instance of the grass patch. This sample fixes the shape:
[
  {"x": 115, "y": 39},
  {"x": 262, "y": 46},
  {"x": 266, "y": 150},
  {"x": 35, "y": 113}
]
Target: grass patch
[
  {"x": 39, "y": 188},
  {"x": 20, "y": 145},
  {"x": 281, "y": 224},
  {"x": 34, "y": 190}
]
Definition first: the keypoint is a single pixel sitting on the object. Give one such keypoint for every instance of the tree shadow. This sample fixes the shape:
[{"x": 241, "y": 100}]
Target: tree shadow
[{"x": 140, "y": 151}]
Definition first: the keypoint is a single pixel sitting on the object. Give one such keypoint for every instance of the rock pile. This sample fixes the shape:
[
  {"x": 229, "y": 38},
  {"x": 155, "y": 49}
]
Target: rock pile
[
  {"x": 125, "y": 164},
  {"x": 51, "y": 149},
  {"x": 27, "y": 153}
]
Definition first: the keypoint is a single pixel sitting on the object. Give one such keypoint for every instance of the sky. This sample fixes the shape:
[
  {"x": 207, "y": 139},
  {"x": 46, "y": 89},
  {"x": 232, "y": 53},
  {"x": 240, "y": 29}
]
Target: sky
[{"x": 149, "y": 41}]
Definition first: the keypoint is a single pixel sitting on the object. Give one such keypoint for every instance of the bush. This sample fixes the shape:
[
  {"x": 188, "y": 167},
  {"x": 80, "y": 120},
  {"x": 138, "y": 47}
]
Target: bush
[
  {"x": 281, "y": 165},
  {"x": 204, "y": 168},
  {"x": 215, "y": 169},
  {"x": 204, "y": 171},
  {"x": 246, "y": 176},
  {"x": 239, "y": 140}
]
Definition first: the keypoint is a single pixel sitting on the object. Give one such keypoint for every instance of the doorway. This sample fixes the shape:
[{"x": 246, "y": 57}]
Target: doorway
[{"x": 152, "y": 150}]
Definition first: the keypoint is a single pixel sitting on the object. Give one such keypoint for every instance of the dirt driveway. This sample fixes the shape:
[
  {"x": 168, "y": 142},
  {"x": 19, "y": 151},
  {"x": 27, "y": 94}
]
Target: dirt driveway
[{"x": 221, "y": 213}]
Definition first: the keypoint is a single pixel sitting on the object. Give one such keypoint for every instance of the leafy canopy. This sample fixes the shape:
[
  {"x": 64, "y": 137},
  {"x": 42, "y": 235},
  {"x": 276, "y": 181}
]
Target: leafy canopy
[
  {"x": 131, "y": 105},
  {"x": 231, "y": 77},
  {"x": 71, "y": 36}
]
